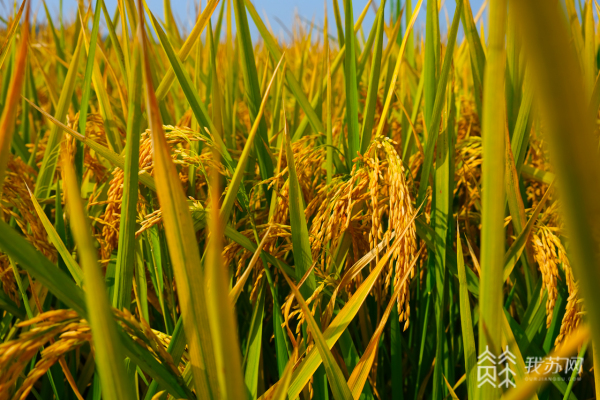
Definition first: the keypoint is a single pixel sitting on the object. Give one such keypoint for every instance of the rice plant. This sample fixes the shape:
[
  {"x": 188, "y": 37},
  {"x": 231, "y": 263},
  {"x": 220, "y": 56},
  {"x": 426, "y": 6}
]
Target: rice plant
[{"x": 334, "y": 212}]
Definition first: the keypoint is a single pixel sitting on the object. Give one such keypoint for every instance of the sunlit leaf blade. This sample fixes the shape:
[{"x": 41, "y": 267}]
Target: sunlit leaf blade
[
  {"x": 492, "y": 230},
  {"x": 221, "y": 318},
  {"x": 515, "y": 250},
  {"x": 329, "y": 107},
  {"x": 476, "y": 52},
  {"x": 186, "y": 48},
  {"x": 109, "y": 352},
  {"x": 115, "y": 42},
  {"x": 9, "y": 113},
  {"x": 337, "y": 62},
  {"x": 431, "y": 63},
  {"x": 59, "y": 284},
  {"x": 351, "y": 89},
  {"x": 198, "y": 107},
  {"x": 289, "y": 74},
  {"x": 371, "y": 101},
  {"x": 183, "y": 247},
  {"x": 239, "y": 285},
  {"x": 339, "y": 324},
  {"x": 300, "y": 243},
  {"x": 113, "y": 138},
  {"x": 528, "y": 388},
  {"x": 466, "y": 322},
  {"x": 337, "y": 382},
  {"x": 280, "y": 392},
  {"x": 359, "y": 376},
  {"x": 55, "y": 239},
  {"x": 51, "y": 153},
  {"x": 127, "y": 224},
  {"x": 436, "y": 113},
  {"x": 252, "y": 359},
  {"x": 114, "y": 158},
  {"x": 27, "y": 257},
  {"x": 396, "y": 73},
  {"x": 252, "y": 87},
  {"x": 240, "y": 169},
  {"x": 89, "y": 68},
  {"x": 563, "y": 107},
  {"x": 11, "y": 33}
]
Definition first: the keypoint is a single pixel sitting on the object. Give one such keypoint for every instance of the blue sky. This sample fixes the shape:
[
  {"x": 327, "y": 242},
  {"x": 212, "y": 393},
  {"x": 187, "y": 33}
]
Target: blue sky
[{"x": 278, "y": 12}]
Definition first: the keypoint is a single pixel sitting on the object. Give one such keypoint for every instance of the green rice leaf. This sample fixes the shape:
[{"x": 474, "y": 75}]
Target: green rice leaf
[
  {"x": 337, "y": 382},
  {"x": 10, "y": 34},
  {"x": 183, "y": 247},
  {"x": 46, "y": 173},
  {"x": 186, "y": 48},
  {"x": 300, "y": 243},
  {"x": 492, "y": 231},
  {"x": 440, "y": 98},
  {"x": 240, "y": 169},
  {"x": 292, "y": 82},
  {"x": 127, "y": 224},
  {"x": 252, "y": 88},
  {"x": 396, "y": 73},
  {"x": 351, "y": 89},
  {"x": 253, "y": 353},
  {"x": 89, "y": 68},
  {"x": 198, "y": 107},
  {"x": 466, "y": 322},
  {"x": 340, "y": 323},
  {"x": 55, "y": 239},
  {"x": 9, "y": 113},
  {"x": 371, "y": 101},
  {"x": 109, "y": 353},
  {"x": 515, "y": 250},
  {"x": 111, "y": 156},
  {"x": 221, "y": 317}
]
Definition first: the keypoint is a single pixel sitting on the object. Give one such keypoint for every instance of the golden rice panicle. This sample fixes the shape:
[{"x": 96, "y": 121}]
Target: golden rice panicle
[
  {"x": 16, "y": 354},
  {"x": 545, "y": 254},
  {"x": 401, "y": 211},
  {"x": 574, "y": 309},
  {"x": 372, "y": 163},
  {"x": 111, "y": 218},
  {"x": 74, "y": 335},
  {"x": 7, "y": 279},
  {"x": 467, "y": 173},
  {"x": 112, "y": 214},
  {"x": 16, "y": 203},
  {"x": 333, "y": 216}
]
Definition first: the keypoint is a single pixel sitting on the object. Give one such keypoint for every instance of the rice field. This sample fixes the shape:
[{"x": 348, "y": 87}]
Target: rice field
[{"x": 335, "y": 212}]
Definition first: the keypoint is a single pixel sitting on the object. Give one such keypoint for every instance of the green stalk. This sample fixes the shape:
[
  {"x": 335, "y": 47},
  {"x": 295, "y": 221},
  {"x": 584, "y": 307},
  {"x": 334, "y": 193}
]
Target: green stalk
[
  {"x": 301, "y": 246},
  {"x": 492, "y": 219},
  {"x": 563, "y": 105},
  {"x": 9, "y": 113},
  {"x": 466, "y": 322},
  {"x": 440, "y": 99},
  {"x": 252, "y": 89},
  {"x": 351, "y": 89},
  {"x": 371, "y": 101},
  {"x": 109, "y": 353},
  {"x": 127, "y": 225},
  {"x": 183, "y": 248},
  {"x": 46, "y": 173},
  {"x": 87, "y": 84},
  {"x": 431, "y": 66}
]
